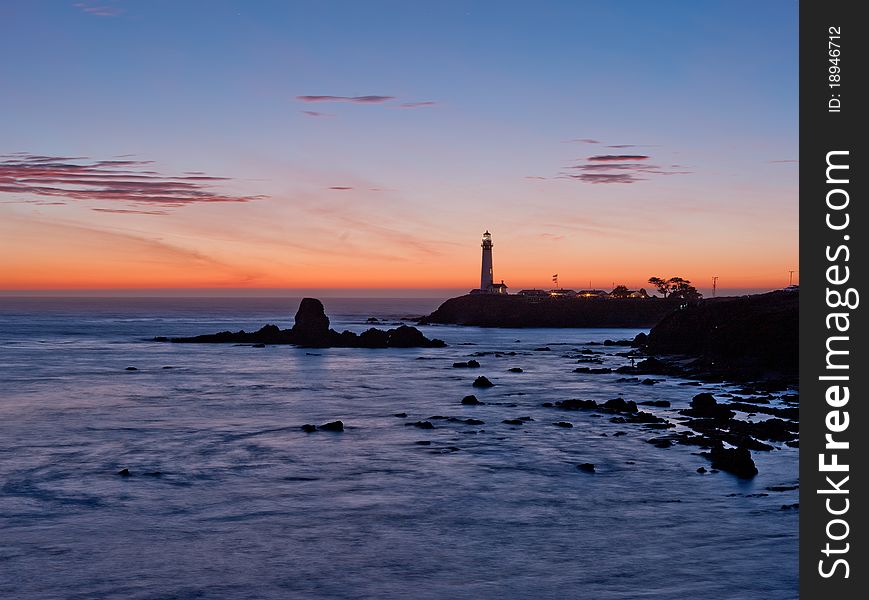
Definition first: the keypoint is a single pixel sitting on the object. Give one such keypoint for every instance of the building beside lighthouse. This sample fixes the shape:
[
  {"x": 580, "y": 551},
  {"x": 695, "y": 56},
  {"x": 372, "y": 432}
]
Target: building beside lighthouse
[{"x": 487, "y": 273}]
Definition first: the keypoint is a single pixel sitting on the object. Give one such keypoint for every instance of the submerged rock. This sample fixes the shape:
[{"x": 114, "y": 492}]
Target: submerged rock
[
  {"x": 470, "y": 400},
  {"x": 308, "y": 428},
  {"x": 586, "y": 467},
  {"x": 482, "y": 382},
  {"x": 737, "y": 461},
  {"x": 332, "y": 426}
]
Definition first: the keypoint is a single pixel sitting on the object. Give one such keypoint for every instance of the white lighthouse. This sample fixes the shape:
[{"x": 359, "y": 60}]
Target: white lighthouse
[{"x": 487, "y": 274}]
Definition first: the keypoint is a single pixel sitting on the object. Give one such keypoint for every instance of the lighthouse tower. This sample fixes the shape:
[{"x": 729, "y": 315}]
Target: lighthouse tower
[{"x": 487, "y": 274}]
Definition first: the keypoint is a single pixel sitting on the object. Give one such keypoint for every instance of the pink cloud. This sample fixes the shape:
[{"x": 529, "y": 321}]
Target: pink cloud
[{"x": 127, "y": 181}]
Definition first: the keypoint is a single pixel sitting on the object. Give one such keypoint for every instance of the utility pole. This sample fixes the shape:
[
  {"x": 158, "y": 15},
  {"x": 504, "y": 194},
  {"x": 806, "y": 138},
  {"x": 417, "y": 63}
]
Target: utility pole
[
  {"x": 714, "y": 284},
  {"x": 791, "y": 278}
]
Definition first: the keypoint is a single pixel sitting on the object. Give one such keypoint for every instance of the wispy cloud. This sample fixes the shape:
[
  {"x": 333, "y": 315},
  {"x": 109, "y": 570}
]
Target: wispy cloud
[
  {"x": 781, "y": 162},
  {"x": 617, "y": 157},
  {"x": 582, "y": 141},
  {"x": 615, "y": 168},
  {"x": 130, "y": 211},
  {"x": 606, "y": 178},
  {"x": 99, "y": 10},
  {"x": 390, "y": 100},
  {"x": 128, "y": 181},
  {"x": 353, "y": 99},
  {"x": 340, "y": 187},
  {"x": 421, "y": 104}
]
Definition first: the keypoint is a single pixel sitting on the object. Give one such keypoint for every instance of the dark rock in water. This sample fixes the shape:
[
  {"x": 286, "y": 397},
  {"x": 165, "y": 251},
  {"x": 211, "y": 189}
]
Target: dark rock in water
[
  {"x": 482, "y": 382},
  {"x": 543, "y": 349},
  {"x": 131, "y": 369},
  {"x": 658, "y": 403},
  {"x": 660, "y": 442},
  {"x": 311, "y": 326},
  {"x": 705, "y": 405},
  {"x": 308, "y": 428},
  {"x": 640, "y": 340},
  {"x": 793, "y": 506},
  {"x": 701, "y": 469},
  {"x": 422, "y": 424},
  {"x": 782, "y": 488},
  {"x": 653, "y": 366},
  {"x": 474, "y": 422},
  {"x": 513, "y": 421},
  {"x": 168, "y": 367},
  {"x": 400, "y": 415},
  {"x": 410, "y": 337},
  {"x": 515, "y": 370},
  {"x": 332, "y": 426},
  {"x": 649, "y": 381},
  {"x": 470, "y": 400},
  {"x": 258, "y": 346},
  {"x": 737, "y": 461},
  {"x": 423, "y": 443},
  {"x": 600, "y": 371},
  {"x": 621, "y": 405},
  {"x": 471, "y": 364},
  {"x": 124, "y": 472},
  {"x": 586, "y": 467},
  {"x": 311, "y": 330},
  {"x": 374, "y": 338},
  {"x": 574, "y": 404},
  {"x": 619, "y": 433},
  {"x": 563, "y": 424},
  {"x": 372, "y": 320}
]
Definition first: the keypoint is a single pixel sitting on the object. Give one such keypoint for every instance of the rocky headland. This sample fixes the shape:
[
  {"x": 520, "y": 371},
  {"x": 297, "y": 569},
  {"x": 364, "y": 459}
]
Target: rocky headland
[
  {"x": 747, "y": 338},
  {"x": 495, "y": 310}
]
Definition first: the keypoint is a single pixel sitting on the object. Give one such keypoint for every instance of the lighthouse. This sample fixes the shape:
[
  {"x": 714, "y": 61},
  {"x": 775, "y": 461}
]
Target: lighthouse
[{"x": 487, "y": 274}]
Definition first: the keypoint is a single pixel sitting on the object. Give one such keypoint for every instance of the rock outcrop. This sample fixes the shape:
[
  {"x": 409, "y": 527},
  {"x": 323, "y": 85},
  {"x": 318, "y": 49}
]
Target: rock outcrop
[
  {"x": 747, "y": 338},
  {"x": 311, "y": 330}
]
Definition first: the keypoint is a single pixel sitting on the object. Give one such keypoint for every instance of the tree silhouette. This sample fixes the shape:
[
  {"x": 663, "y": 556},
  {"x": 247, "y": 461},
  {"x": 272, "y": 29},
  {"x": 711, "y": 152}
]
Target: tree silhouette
[
  {"x": 661, "y": 284},
  {"x": 675, "y": 287}
]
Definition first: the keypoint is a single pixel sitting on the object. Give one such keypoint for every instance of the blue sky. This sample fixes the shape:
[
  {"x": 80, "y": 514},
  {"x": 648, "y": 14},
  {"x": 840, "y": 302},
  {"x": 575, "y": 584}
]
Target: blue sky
[{"x": 483, "y": 106}]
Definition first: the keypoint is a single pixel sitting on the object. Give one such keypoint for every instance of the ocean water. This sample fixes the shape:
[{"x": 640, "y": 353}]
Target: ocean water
[{"x": 248, "y": 506}]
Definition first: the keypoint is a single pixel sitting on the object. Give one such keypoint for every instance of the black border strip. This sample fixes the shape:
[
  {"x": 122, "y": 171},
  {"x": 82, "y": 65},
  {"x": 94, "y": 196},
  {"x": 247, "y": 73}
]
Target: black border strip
[{"x": 832, "y": 221}]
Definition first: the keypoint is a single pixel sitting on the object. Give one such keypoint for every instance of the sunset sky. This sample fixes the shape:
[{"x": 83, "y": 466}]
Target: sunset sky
[{"x": 290, "y": 144}]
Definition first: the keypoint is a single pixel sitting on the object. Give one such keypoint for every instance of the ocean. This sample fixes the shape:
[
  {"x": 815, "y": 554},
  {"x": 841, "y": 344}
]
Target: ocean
[{"x": 228, "y": 498}]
